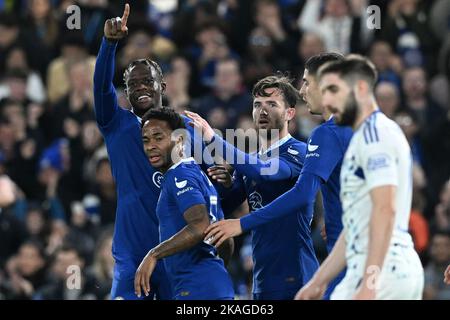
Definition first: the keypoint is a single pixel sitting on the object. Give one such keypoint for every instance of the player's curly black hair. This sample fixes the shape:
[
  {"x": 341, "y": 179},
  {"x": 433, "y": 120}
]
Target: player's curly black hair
[
  {"x": 173, "y": 119},
  {"x": 149, "y": 63}
]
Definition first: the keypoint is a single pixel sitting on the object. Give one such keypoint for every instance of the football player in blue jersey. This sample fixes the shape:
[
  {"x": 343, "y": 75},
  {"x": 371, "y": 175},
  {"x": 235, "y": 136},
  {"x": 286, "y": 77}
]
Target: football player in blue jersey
[
  {"x": 283, "y": 252},
  {"x": 321, "y": 170},
  {"x": 137, "y": 183},
  {"x": 187, "y": 205}
]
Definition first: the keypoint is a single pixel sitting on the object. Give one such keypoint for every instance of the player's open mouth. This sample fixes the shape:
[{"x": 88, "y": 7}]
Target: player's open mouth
[
  {"x": 144, "y": 98},
  {"x": 154, "y": 158},
  {"x": 263, "y": 121}
]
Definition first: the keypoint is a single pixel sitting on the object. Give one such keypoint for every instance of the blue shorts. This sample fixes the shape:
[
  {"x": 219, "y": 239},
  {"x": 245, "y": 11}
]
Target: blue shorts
[
  {"x": 123, "y": 282},
  {"x": 288, "y": 294}
]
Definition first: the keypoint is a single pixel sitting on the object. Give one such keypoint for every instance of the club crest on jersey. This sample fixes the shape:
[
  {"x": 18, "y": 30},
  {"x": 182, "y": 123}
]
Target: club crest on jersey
[
  {"x": 157, "y": 179},
  {"x": 255, "y": 200}
]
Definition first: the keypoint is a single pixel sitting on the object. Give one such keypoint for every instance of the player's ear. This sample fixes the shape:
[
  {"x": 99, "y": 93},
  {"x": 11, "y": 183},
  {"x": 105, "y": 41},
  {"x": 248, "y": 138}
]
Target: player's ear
[
  {"x": 163, "y": 87},
  {"x": 290, "y": 113}
]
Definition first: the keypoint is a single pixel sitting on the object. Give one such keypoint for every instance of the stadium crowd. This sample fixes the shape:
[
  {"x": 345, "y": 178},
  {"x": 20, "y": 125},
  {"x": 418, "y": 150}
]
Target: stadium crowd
[{"x": 211, "y": 52}]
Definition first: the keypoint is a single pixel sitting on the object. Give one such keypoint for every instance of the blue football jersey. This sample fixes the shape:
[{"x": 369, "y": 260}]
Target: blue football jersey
[
  {"x": 197, "y": 273},
  {"x": 326, "y": 149}
]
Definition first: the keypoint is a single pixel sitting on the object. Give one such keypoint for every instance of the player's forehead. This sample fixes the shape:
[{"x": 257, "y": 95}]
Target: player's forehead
[
  {"x": 155, "y": 126},
  {"x": 273, "y": 94},
  {"x": 307, "y": 76},
  {"x": 331, "y": 79},
  {"x": 141, "y": 70}
]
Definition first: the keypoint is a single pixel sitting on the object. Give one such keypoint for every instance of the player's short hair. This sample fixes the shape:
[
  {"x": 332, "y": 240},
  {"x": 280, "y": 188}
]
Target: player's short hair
[
  {"x": 352, "y": 68},
  {"x": 149, "y": 63},
  {"x": 173, "y": 119},
  {"x": 280, "y": 82},
  {"x": 315, "y": 62}
]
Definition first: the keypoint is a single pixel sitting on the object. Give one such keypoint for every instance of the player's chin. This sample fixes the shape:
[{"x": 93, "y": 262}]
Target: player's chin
[{"x": 143, "y": 106}]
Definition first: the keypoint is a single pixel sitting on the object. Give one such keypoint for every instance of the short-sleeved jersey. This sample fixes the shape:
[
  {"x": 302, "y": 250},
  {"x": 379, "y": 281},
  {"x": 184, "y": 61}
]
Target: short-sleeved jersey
[
  {"x": 283, "y": 253},
  {"x": 326, "y": 149},
  {"x": 197, "y": 273},
  {"x": 378, "y": 155}
]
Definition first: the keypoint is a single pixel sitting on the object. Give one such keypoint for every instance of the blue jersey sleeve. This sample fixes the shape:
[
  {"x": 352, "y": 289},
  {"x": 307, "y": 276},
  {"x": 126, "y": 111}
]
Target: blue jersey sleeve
[
  {"x": 324, "y": 152},
  {"x": 105, "y": 99},
  {"x": 196, "y": 148},
  {"x": 231, "y": 198},
  {"x": 302, "y": 194},
  {"x": 274, "y": 169},
  {"x": 184, "y": 186}
]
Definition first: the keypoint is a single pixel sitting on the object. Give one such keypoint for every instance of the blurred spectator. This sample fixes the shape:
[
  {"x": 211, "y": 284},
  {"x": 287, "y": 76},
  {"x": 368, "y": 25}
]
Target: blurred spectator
[
  {"x": 102, "y": 268},
  {"x": 17, "y": 60},
  {"x": 77, "y": 105},
  {"x": 269, "y": 47},
  {"x": 9, "y": 36},
  {"x": 73, "y": 49},
  {"x": 442, "y": 210},
  {"x": 309, "y": 45},
  {"x": 388, "y": 98},
  {"x": 342, "y": 26},
  {"x": 41, "y": 32},
  {"x": 26, "y": 271},
  {"x": 407, "y": 31},
  {"x": 415, "y": 88},
  {"x": 407, "y": 120},
  {"x": 178, "y": 81},
  {"x": 211, "y": 46},
  {"x": 37, "y": 223},
  {"x": 389, "y": 65},
  {"x": 269, "y": 24},
  {"x": 15, "y": 86},
  {"x": 12, "y": 231},
  {"x": 67, "y": 262},
  {"x": 435, "y": 288},
  {"x": 418, "y": 225},
  {"x": 104, "y": 190},
  {"x": 229, "y": 98}
]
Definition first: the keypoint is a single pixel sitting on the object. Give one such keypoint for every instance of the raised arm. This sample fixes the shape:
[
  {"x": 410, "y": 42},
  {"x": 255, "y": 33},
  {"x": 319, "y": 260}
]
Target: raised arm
[
  {"x": 249, "y": 165},
  {"x": 104, "y": 93}
]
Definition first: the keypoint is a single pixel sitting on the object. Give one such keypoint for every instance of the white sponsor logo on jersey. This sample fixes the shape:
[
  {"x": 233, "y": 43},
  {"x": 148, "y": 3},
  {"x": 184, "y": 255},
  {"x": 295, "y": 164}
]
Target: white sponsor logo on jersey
[{"x": 180, "y": 184}]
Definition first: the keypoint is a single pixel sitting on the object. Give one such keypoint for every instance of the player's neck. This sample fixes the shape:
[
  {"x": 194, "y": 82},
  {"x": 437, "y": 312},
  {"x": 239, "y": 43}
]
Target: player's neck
[
  {"x": 326, "y": 114},
  {"x": 367, "y": 109},
  {"x": 266, "y": 141}
]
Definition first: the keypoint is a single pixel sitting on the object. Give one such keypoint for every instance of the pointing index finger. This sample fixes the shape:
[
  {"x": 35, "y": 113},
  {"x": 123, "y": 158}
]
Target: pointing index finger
[{"x": 126, "y": 13}]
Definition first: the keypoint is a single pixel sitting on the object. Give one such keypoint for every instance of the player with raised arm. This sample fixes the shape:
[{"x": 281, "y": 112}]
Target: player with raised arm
[
  {"x": 137, "y": 182},
  {"x": 187, "y": 205},
  {"x": 376, "y": 192},
  {"x": 321, "y": 170},
  {"x": 283, "y": 252}
]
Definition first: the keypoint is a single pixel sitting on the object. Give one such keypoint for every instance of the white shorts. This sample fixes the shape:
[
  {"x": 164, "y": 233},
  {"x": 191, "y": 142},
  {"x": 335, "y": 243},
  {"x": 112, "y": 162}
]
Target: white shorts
[{"x": 402, "y": 278}]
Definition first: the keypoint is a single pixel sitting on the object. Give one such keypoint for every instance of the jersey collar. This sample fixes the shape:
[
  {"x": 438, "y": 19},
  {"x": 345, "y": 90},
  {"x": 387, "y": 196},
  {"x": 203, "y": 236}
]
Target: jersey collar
[
  {"x": 184, "y": 160},
  {"x": 277, "y": 144}
]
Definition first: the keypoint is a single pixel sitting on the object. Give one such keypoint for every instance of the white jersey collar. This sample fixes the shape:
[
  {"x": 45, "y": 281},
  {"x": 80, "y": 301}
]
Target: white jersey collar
[
  {"x": 277, "y": 144},
  {"x": 184, "y": 160}
]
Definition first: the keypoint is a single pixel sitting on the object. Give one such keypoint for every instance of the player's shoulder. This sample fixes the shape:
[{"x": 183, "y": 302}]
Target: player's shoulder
[
  {"x": 183, "y": 173},
  {"x": 294, "y": 147},
  {"x": 379, "y": 128},
  {"x": 185, "y": 167}
]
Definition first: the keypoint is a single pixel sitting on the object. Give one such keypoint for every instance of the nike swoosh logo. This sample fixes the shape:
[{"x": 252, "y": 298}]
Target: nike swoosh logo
[
  {"x": 180, "y": 184},
  {"x": 312, "y": 148}
]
